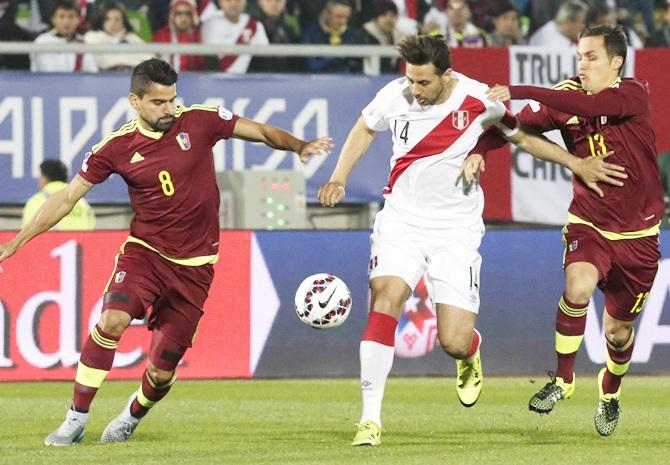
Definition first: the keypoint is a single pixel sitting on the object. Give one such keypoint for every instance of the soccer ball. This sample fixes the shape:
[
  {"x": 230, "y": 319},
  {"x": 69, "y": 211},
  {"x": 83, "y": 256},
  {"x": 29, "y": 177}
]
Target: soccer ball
[{"x": 322, "y": 301}]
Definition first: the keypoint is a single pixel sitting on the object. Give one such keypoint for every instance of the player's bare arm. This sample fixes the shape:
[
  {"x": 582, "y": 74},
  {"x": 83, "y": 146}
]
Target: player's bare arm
[
  {"x": 590, "y": 170},
  {"x": 54, "y": 209},
  {"x": 358, "y": 141},
  {"x": 279, "y": 139}
]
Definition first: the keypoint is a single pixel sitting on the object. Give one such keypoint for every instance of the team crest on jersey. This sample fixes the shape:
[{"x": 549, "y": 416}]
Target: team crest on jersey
[
  {"x": 119, "y": 276},
  {"x": 603, "y": 120},
  {"x": 573, "y": 246},
  {"x": 460, "y": 119},
  {"x": 183, "y": 141}
]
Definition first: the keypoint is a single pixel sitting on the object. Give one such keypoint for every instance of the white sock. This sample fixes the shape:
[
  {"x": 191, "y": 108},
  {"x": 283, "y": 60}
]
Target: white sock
[
  {"x": 376, "y": 362},
  {"x": 79, "y": 416}
]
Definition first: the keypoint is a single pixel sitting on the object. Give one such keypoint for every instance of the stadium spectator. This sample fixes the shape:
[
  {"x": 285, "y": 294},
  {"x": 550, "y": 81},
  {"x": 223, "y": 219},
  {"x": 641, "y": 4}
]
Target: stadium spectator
[
  {"x": 333, "y": 28},
  {"x": 431, "y": 224},
  {"x": 10, "y": 31},
  {"x": 564, "y": 30},
  {"x": 506, "y": 30},
  {"x": 229, "y": 25},
  {"x": 601, "y": 14},
  {"x": 455, "y": 25},
  {"x": 611, "y": 240},
  {"x": 482, "y": 13},
  {"x": 542, "y": 12},
  {"x": 383, "y": 30},
  {"x": 182, "y": 28},
  {"x": 111, "y": 26},
  {"x": 280, "y": 29},
  {"x": 65, "y": 20},
  {"x": 629, "y": 10},
  {"x": 165, "y": 157},
  {"x": 53, "y": 178},
  {"x": 662, "y": 36}
]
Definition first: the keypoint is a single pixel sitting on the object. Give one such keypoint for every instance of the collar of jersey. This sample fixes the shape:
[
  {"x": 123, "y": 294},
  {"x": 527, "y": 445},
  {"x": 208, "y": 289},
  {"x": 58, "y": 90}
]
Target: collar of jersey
[{"x": 145, "y": 132}]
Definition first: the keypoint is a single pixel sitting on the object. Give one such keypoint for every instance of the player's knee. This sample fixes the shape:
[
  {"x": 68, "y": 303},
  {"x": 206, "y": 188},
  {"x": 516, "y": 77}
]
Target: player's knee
[
  {"x": 114, "y": 322},
  {"x": 454, "y": 346},
  {"x": 617, "y": 334},
  {"x": 159, "y": 376},
  {"x": 579, "y": 292},
  {"x": 385, "y": 303}
]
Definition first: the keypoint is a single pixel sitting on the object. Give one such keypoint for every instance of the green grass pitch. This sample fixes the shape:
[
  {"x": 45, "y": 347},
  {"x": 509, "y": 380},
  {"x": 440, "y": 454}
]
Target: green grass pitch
[{"x": 312, "y": 421}]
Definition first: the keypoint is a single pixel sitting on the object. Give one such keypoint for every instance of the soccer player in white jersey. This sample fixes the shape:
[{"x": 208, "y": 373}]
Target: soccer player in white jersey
[{"x": 431, "y": 223}]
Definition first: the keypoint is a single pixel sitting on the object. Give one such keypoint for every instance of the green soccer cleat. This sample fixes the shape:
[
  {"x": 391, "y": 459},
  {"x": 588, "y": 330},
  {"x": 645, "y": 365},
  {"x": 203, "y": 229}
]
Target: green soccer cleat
[
  {"x": 469, "y": 380},
  {"x": 607, "y": 414},
  {"x": 123, "y": 426},
  {"x": 69, "y": 433},
  {"x": 369, "y": 434},
  {"x": 546, "y": 398}
]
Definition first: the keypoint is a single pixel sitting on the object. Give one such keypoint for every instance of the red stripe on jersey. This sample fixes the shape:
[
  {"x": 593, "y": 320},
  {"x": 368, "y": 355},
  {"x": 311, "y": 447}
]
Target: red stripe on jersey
[
  {"x": 439, "y": 139},
  {"x": 244, "y": 38}
]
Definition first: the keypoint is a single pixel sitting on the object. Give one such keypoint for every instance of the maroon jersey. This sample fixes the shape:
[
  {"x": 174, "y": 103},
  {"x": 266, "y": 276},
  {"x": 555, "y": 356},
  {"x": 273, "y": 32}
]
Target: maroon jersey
[
  {"x": 616, "y": 119},
  {"x": 171, "y": 179}
]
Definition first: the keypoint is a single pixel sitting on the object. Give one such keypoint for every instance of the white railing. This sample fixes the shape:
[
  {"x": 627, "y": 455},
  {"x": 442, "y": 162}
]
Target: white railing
[{"x": 371, "y": 53}]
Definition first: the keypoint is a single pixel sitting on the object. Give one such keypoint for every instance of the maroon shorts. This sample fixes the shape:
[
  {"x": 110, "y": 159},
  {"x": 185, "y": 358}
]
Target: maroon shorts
[
  {"x": 626, "y": 268},
  {"x": 175, "y": 293}
]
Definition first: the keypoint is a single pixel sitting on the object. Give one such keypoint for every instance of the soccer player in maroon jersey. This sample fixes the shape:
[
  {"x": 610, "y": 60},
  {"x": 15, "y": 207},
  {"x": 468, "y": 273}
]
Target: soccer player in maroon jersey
[
  {"x": 611, "y": 241},
  {"x": 165, "y": 157}
]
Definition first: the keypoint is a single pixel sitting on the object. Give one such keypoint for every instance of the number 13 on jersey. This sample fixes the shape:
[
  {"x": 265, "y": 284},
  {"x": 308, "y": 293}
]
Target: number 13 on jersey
[{"x": 597, "y": 145}]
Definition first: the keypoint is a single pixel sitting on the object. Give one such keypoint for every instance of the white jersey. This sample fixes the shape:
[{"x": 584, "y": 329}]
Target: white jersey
[
  {"x": 217, "y": 29},
  {"x": 430, "y": 144}
]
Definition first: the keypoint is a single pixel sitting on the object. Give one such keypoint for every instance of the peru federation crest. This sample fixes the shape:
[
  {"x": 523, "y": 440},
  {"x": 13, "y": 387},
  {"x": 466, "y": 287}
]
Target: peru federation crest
[
  {"x": 460, "y": 119},
  {"x": 183, "y": 141}
]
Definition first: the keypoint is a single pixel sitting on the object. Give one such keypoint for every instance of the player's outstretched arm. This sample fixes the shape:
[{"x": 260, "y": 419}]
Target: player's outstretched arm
[
  {"x": 609, "y": 102},
  {"x": 279, "y": 139},
  {"x": 358, "y": 141},
  {"x": 590, "y": 170},
  {"x": 54, "y": 209}
]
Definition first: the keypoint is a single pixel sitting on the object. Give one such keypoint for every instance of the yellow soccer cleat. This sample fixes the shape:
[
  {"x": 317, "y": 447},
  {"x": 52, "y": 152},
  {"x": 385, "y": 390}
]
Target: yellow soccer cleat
[
  {"x": 369, "y": 434},
  {"x": 469, "y": 380},
  {"x": 546, "y": 398}
]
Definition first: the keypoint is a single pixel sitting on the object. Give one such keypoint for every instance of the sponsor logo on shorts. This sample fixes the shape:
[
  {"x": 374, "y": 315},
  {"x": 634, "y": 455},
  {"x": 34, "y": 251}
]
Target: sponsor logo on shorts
[
  {"x": 373, "y": 263},
  {"x": 119, "y": 276}
]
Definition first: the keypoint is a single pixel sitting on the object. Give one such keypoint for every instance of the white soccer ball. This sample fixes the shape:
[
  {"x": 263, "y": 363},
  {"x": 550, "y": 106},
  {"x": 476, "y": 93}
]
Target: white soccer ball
[{"x": 322, "y": 301}]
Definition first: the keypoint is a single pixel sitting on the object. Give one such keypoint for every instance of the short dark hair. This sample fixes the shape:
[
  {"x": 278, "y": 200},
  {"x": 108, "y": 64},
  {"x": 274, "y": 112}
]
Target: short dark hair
[
  {"x": 98, "y": 22},
  {"x": 66, "y": 5},
  {"x": 502, "y": 7},
  {"x": 149, "y": 71},
  {"x": 616, "y": 42},
  {"x": 421, "y": 50},
  {"x": 54, "y": 170}
]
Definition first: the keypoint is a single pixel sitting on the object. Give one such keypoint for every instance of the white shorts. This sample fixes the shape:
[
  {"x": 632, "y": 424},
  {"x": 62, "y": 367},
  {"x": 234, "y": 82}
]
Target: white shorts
[{"x": 449, "y": 258}]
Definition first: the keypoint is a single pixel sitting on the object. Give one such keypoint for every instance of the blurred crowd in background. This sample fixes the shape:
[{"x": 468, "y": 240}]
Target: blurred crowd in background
[{"x": 472, "y": 23}]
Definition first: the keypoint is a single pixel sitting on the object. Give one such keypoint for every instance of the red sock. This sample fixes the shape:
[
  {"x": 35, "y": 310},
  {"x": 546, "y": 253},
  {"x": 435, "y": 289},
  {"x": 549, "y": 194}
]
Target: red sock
[
  {"x": 570, "y": 321},
  {"x": 152, "y": 391},
  {"x": 98, "y": 353},
  {"x": 612, "y": 382},
  {"x": 476, "y": 341},
  {"x": 380, "y": 328}
]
